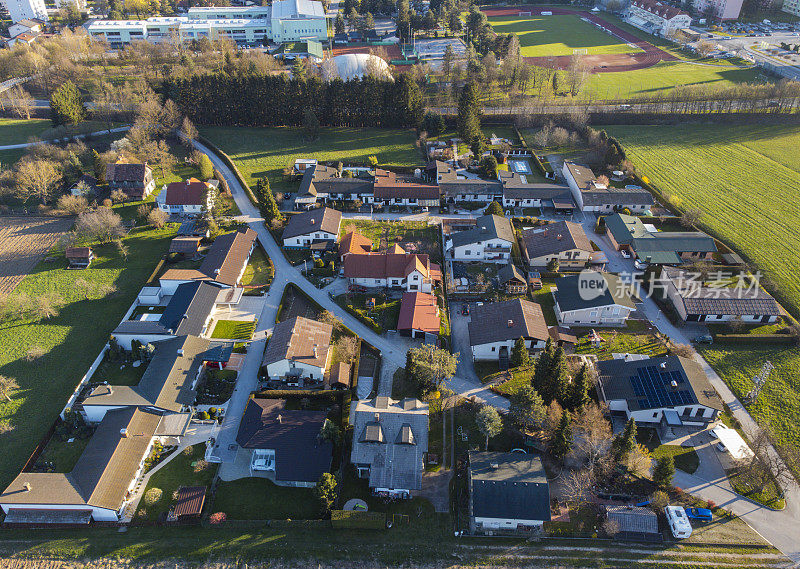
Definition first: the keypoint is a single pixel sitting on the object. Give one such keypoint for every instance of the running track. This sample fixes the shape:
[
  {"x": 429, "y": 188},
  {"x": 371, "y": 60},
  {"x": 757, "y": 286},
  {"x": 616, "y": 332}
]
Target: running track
[{"x": 650, "y": 55}]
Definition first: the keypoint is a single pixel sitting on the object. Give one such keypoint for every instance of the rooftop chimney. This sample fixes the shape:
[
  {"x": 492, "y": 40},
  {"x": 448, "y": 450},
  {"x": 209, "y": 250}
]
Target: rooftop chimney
[
  {"x": 278, "y": 418},
  {"x": 559, "y": 237},
  {"x": 110, "y": 390},
  {"x": 180, "y": 351},
  {"x": 674, "y": 384},
  {"x": 663, "y": 365},
  {"x": 510, "y": 323},
  {"x": 27, "y": 486},
  {"x": 377, "y": 416},
  {"x": 123, "y": 432},
  {"x": 312, "y": 221},
  {"x": 494, "y": 465}
]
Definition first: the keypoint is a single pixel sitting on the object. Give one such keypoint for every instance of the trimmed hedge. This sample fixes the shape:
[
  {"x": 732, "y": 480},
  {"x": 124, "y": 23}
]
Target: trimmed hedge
[
  {"x": 299, "y": 394},
  {"x": 363, "y": 318},
  {"x": 779, "y": 339},
  {"x": 356, "y": 519}
]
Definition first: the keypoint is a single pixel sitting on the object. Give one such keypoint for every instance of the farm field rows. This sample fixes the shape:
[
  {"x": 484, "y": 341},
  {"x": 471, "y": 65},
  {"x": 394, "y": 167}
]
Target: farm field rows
[
  {"x": 743, "y": 178},
  {"x": 542, "y": 36},
  {"x": 267, "y": 152},
  {"x": 92, "y": 302},
  {"x": 24, "y": 242}
]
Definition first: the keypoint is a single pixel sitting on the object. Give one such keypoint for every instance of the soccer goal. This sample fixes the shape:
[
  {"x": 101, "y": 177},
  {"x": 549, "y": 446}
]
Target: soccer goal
[
  {"x": 580, "y": 51},
  {"x": 524, "y": 14}
]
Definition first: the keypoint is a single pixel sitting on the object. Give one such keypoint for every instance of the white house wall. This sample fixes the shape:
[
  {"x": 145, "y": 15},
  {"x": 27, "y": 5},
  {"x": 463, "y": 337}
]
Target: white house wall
[
  {"x": 278, "y": 370},
  {"x": 491, "y": 351},
  {"x": 126, "y": 340},
  {"x": 601, "y": 316},
  {"x": 506, "y": 523},
  {"x": 305, "y": 240},
  {"x": 98, "y": 514}
]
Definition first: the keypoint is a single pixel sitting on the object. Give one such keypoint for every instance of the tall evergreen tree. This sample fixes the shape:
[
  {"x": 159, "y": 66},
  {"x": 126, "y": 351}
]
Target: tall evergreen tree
[
  {"x": 625, "y": 442},
  {"x": 579, "y": 388},
  {"x": 339, "y": 26},
  {"x": 527, "y": 410},
  {"x": 519, "y": 354},
  {"x": 66, "y": 105},
  {"x": 663, "y": 471},
  {"x": 99, "y": 167},
  {"x": 561, "y": 441},
  {"x": 541, "y": 370},
  {"x": 266, "y": 202},
  {"x": 468, "y": 121},
  {"x": 559, "y": 378}
]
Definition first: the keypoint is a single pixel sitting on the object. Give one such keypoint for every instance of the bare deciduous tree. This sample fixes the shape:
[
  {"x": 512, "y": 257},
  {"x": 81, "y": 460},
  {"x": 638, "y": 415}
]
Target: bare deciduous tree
[
  {"x": 576, "y": 488},
  {"x": 72, "y": 204},
  {"x": 691, "y": 217},
  {"x": 102, "y": 225},
  {"x": 7, "y": 386},
  {"x": 157, "y": 218},
  {"x": 346, "y": 346},
  {"x": 37, "y": 179},
  {"x": 592, "y": 436},
  {"x": 20, "y": 102}
]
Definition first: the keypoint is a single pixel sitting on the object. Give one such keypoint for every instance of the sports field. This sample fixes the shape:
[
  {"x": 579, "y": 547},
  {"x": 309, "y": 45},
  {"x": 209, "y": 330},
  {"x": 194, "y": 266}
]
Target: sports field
[
  {"x": 665, "y": 76},
  {"x": 541, "y": 36},
  {"x": 744, "y": 178}
]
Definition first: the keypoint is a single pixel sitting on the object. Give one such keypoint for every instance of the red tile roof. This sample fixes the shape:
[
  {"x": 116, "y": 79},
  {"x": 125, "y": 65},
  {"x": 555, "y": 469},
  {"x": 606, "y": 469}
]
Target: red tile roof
[
  {"x": 388, "y": 185},
  {"x": 418, "y": 311},
  {"x": 185, "y": 193},
  {"x": 385, "y": 265},
  {"x": 354, "y": 243}
]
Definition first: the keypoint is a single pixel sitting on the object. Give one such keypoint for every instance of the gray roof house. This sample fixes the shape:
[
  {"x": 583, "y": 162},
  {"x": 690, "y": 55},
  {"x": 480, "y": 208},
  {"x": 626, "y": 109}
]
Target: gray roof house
[
  {"x": 188, "y": 312},
  {"x": 98, "y": 486},
  {"x": 592, "y": 299},
  {"x": 318, "y": 224},
  {"x": 284, "y": 441},
  {"x": 508, "y": 492},
  {"x": 494, "y": 328},
  {"x": 562, "y": 240},
  {"x": 668, "y": 391},
  {"x": 168, "y": 383},
  {"x": 491, "y": 239},
  {"x": 300, "y": 348},
  {"x": 390, "y": 441},
  {"x": 659, "y": 247},
  {"x": 592, "y": 195}
]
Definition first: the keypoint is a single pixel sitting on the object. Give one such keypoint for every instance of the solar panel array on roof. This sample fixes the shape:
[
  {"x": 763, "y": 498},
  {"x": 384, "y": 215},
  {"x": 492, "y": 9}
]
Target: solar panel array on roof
[{"x": 656, "y": 390}]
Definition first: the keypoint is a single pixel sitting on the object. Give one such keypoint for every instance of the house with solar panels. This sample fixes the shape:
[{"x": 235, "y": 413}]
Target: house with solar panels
[{"x": 662, "y": 392}]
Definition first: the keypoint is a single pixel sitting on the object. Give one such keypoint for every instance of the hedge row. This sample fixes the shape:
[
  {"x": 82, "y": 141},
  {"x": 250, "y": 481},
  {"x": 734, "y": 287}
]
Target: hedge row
[
  {"x": 363, "y": 318},
  {"x": 229, "y": 163},
  {"x": 780, "y": 339},
  {"x": 300, "y": 393}
]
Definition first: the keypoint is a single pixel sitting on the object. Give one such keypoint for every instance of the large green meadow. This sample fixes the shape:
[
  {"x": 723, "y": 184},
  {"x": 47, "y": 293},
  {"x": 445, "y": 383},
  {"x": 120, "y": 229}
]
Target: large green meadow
[{"x": 268, "y": 152}]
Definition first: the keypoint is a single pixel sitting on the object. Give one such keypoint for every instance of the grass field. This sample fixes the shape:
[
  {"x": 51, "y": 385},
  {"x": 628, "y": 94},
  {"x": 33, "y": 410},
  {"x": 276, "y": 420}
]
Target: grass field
[
  {"x": 71, "y": 340},
  {"x": 261, "y": 499},
  {"x": 778, "y": 405},
  {"x": 744, "y": 179},
  {"x": 267, "y": 152},
  {"x": 234, "y": 329},
  {"x": 541, "y": 36},
  {"x": 665, "y": 76},
  {"x": 19, "y": 131}
]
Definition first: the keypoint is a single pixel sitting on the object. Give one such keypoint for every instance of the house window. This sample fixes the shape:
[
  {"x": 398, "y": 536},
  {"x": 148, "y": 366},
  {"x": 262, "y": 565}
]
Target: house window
[{"x": 494, "y": 348}]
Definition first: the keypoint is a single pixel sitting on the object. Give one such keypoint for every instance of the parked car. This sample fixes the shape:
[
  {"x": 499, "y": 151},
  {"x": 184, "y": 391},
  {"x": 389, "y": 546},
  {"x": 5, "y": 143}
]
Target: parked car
[
  {"x": 705, "y": 339},
  {"x": 699, "y": 514},
  {"x": 625, "y": 254},
  {"x": 679, "y": 524}
]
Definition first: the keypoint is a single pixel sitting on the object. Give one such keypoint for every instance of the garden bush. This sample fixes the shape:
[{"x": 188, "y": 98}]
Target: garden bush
[{"x": 152, "y": 496}]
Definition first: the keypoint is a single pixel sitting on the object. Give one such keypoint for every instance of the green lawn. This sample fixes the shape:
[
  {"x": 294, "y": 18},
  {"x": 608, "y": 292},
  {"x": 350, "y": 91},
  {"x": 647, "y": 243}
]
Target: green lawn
[
  {"x": 187, "y": 468},
  {"x": 744, "y": 178},
  {"x": 413, "y": 236},
  {"x": 19, "y": 131},
  {"x": 119, "y": 373},
  {"x": 665, "y": 76},
  {"x": 71, "y": 340},
  {"x": 520, "y": 377},
  {"x": 259, "y": 271},
  {"x": 632, "y": 339},
  {"x": 769, "y": 494},
  {"x": 63, "y": 454},
  {"x": 541, "y": 36},
  {"x": 234, "y": 329},
  {"x": 778, "y": 405},
  {"x": 545, "y": 299},
  {"x": 261, "y": 499},
  {"x": 267, "y": 152},
  {"x": 686, "y": 458}
]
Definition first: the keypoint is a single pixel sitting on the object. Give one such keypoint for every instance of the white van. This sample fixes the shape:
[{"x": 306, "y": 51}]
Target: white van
[{"x": 678, "y": 522}]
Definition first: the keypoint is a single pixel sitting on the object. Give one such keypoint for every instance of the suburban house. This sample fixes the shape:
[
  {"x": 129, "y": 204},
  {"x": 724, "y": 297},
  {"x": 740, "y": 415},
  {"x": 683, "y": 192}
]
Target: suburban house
[
  {"x": 696, "y": 302},
  {"x": 354, "y": 242},
  {"x": 518, "y": 191},
  {"x": 393, "y": 269},
  {"x": 26, "y": 26},
  {"x": 659, "y": 18},
  {"x": 457, "y": 189},
  {"x": 189, "y": 311},
  {"x": 325, "y": 183},
  {"x": 490, "y": 240},
  {"x": 391, "y": 189},
  {"x": 591, "y": 194},
  {"x": 508, "y": 492},
  {"x": 185, "y": 198},
  {"x": 390, "y": 441},
  {"x": 629, "y": 233},
  {"x": 224, "y": 264},
  {"x": 318, "y": 226},
  {"x": 563, "y": 241},
  {"x": 419, "y": 315},
  {"x": 495, "y": 327},
  {"x": 662, "y": 392},
  {"x": 299, "y": 351},
  {"x": 634, "y": 523},
  {"x": 592, "y": 299},
  {"x": 136, "y": 180},
  {"x": 79, "y": 257},
  {"x": 512, "y": 279},
  {"x": 284, "y": 444},
  {"x": 99, "y": 486},
  {"x": 167, "y": 386}
]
